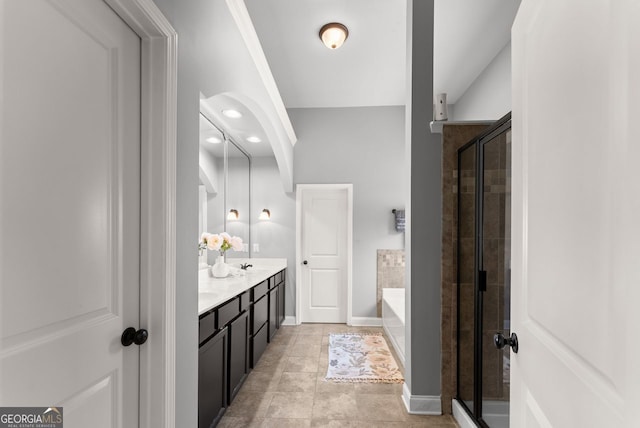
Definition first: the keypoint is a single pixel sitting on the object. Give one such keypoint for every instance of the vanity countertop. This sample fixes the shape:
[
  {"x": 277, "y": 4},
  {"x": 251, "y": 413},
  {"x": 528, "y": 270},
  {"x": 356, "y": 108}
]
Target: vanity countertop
[{"x": 214, "y": 291}]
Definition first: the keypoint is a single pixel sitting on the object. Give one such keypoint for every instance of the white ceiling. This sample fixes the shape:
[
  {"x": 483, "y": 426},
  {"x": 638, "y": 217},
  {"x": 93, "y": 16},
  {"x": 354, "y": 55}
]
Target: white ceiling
[{"x": 369, "y": 70}]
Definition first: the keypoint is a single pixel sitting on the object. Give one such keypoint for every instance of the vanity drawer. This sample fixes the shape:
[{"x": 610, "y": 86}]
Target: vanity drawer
[
  {"x": 279, "y": 277},
  {"x": 272, "y": 282},
  {"x": 228, "y": 311},
  {"x": 207, "y": 326},
  {"x": 260, "y": 314},
  {"x": 245, "y": 301},
  {"x": 260, "y": 290}
]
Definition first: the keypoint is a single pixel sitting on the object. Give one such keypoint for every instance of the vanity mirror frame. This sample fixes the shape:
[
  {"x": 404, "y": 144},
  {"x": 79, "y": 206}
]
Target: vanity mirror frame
[{"x": 226, "y": 140}]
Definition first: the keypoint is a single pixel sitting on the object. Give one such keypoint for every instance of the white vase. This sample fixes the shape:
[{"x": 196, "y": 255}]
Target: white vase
[{"x": 220, "y": 269}]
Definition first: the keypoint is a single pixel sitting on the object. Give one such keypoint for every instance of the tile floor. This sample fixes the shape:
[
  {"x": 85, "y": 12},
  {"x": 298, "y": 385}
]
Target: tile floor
[{"x": 287, "y": 389}]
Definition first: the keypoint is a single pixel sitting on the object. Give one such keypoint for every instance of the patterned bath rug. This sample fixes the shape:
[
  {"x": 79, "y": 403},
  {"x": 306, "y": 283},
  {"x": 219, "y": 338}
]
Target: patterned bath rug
[{"x": 361, "y": 358}]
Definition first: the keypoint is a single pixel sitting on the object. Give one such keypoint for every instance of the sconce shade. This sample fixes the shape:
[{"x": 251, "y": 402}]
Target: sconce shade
[
  {"x": 265, "y": 215},
  {"x": 333, "y": 35},
  {"x": 233, "y": 214}
]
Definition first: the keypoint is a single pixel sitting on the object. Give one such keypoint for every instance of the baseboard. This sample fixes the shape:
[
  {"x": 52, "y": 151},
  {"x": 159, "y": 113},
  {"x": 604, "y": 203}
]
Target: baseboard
[
  {"x": 461, "y": 416},
  {"x": 421, "y": 404},
  {"x": 366, "y": 322},
  {"x": 289, "y": 320}
]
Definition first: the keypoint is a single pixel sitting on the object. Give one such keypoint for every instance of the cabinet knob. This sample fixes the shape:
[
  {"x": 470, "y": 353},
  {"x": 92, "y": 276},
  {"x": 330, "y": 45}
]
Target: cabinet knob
[
  {"x": 305, "y": 262},
  {"x": 130, "y": 335}
]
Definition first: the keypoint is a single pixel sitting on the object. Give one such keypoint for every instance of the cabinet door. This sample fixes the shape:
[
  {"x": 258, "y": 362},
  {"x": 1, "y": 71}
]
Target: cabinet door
[
  {"x": 258, "y": 344},
  {"x": 260, "y": 312},
  {"x": 238, "y": 353},
  {"x": 273, "y": 313},
  {"x": 212, "y": 380}
]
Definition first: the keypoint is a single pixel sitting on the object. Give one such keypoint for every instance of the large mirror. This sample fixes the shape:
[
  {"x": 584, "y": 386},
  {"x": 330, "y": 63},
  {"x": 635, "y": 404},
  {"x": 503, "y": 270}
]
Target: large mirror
[
  {"x": 238, "y": 197},
  {"x": 225, "y": 177}
]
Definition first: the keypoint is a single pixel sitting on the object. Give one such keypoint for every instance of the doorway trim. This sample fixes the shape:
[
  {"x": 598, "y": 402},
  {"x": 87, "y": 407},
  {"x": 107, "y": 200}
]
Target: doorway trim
[
  {"x": 299, "y": 189},
  {"x": 158, "y": 207}
]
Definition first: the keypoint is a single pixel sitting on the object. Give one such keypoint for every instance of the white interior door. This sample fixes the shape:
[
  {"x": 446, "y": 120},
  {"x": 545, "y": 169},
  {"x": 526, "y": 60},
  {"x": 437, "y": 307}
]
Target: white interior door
[
  {"x": 324, "y": 255},
  {"x": 576, "y": 204},
  {"x": 70, "y": 210}
]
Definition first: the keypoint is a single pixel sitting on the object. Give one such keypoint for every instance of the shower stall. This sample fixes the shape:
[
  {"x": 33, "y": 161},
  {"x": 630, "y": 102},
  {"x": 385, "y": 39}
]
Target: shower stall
[{"x": 483, "y": 275}]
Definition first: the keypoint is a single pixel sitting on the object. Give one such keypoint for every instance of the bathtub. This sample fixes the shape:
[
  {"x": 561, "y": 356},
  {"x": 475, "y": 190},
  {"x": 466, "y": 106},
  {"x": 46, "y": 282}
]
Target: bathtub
[{"x": 393, "y": 318}]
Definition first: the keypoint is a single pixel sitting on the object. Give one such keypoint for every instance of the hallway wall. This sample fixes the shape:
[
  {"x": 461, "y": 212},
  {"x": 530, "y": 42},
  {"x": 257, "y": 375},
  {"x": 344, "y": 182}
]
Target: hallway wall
[
  {"x": 363, "y": 146},
  {"x": 189, "y": 19},
  {"x": 489, "y": 96}
]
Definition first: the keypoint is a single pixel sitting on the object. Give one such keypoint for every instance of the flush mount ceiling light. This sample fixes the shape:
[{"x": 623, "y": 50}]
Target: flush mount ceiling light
[
  {"x": 333, "y": 35},
  {"x": 214, "y": 140},
  {"x": 254, "y": 139},
  {"x": 233, "y": 214},
  {"x": 233, "y": 114}
]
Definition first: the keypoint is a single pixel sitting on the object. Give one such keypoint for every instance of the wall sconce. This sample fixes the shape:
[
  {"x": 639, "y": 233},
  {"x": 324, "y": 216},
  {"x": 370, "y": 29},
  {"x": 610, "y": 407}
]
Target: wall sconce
[
  {"x": 233, "y": 214},
  {"x": 333, "y": 35},
  {"x": 265, "y": 215}
]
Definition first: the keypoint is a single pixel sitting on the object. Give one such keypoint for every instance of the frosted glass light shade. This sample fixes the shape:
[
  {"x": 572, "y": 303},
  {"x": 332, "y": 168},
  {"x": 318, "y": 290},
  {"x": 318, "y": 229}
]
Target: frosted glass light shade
[
  {"x": 264, "y": 215},
  {"x": 333, "y": 35},
  {"x": 233, "y": 214}
]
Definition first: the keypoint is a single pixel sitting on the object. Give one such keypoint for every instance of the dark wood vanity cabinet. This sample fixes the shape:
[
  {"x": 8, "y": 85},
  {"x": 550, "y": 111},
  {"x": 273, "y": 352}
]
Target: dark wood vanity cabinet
[
  {"x": 281, "y": 300},
  {"x": 233, "y": 337},
  {"x": 273, "y": 312},
  {"x": 238, "y": 353},
  {"x": 259, "y": 321},
  {"x": 212, "y": 379}
]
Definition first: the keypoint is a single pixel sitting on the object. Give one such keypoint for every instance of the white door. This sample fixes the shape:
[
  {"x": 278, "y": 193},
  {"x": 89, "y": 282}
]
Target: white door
[
  {"x": 324, "y": 254},
  {"x": 576, "y": 211},
  {"x": 69, "y": 217}
]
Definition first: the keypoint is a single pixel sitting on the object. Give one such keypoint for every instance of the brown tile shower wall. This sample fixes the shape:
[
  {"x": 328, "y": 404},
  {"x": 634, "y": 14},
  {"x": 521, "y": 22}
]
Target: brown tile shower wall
[
  {"x": 453, "y": 137},
  {"x": 390, "y": 266}
]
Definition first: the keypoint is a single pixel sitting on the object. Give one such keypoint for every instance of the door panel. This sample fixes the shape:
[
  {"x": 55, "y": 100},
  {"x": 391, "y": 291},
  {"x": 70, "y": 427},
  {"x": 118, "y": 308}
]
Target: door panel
[
  {"x": 324, "y": 227},
  {"x": 575, "y": 187},
  {"x": 324, "y": 247},
  {"x": 70, "y": 194},
  {"x": 324, "y": 288}
]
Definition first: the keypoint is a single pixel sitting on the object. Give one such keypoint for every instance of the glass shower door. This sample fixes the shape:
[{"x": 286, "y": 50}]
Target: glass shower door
[
  {"x": 467, "y": 172},
  {"x": 495, "y": 265},
  {"x": 483, "y": 274}
]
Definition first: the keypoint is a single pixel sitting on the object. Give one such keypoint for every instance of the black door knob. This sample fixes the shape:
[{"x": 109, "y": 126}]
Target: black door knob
[
  {"x": 130, "y": 335},
  {"x": 305, "y": 262},
  {"x": 500, "y": 341}
]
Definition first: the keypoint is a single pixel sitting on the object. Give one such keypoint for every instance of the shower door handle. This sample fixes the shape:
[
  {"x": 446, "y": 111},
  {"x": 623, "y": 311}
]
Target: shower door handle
[
  {"x": 500, "y": 341},
  {"x": 482, "y": 280}
]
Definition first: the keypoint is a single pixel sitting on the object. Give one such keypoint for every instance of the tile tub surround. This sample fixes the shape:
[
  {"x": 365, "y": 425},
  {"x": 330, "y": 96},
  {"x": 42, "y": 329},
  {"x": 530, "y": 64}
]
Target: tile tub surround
[
  {"x": 213, "y": 292},
  {"x": 287, "y": 389},
  {"x": 390, "y": 273}
]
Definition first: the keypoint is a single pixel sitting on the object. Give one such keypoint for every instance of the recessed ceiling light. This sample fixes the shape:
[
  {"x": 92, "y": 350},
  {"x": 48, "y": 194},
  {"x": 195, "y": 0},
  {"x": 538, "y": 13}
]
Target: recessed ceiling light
[
  {"x": 254, "y": 139},
  {"x": 233, "y": 114},
  {"x": 214, "y": 140}
]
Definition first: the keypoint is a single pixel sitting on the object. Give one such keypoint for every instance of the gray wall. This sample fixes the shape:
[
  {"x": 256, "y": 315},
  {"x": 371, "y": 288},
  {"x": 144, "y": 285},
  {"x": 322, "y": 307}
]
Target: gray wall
[
  {"x": 189, "y": 19},
  {"x": 424, "y": 153},
  {"x": 363, "y": 146},
  {"x": 489, "y": 96},
  {"x": 276, "y": 237}
]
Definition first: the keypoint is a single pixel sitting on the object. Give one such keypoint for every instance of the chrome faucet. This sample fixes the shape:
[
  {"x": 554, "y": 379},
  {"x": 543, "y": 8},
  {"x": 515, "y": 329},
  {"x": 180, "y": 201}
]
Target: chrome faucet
[{"x": 245, "y": 266}]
